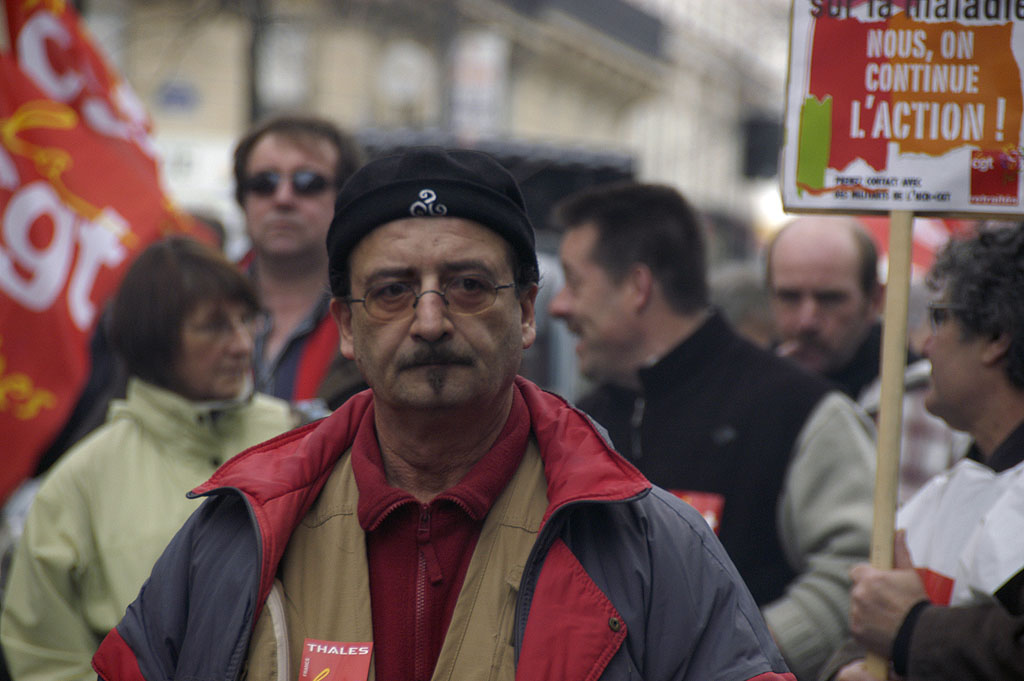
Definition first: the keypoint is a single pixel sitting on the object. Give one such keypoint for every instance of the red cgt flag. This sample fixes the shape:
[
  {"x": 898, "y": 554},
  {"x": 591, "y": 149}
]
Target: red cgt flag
[{"x": 80, "y": 196}]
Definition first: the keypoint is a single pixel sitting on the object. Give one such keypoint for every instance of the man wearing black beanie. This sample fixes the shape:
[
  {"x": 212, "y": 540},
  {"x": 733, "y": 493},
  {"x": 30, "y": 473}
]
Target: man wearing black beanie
[{"x": 454, "y": 521}]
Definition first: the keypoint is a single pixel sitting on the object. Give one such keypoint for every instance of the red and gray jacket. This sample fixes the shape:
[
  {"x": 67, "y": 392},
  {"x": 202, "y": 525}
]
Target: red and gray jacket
[{"x": 651, "y": 592}]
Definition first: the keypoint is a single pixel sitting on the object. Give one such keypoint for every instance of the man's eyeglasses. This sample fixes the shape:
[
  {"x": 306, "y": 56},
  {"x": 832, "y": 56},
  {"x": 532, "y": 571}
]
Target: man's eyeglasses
[
  {"x": 223, "y": 327},
  {"x": 939, "y": 313},
  {"x": 304, "y": 182},
  {"x": 464, "y": 295}
]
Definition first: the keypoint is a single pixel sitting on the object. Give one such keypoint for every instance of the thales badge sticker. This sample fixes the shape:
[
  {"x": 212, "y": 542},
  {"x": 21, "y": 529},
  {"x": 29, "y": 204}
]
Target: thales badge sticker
[{"x": 335, "y": 661}]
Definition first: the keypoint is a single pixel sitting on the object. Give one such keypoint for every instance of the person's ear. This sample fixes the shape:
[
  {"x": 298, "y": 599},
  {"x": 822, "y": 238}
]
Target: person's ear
[
  {"x": 527, "y": 306},
  {"x": 641, "y": 285},
  {"x": 341, "y": 311},
  {"x": 996, "y": 349},
  {"x": 877, "y": 299}
]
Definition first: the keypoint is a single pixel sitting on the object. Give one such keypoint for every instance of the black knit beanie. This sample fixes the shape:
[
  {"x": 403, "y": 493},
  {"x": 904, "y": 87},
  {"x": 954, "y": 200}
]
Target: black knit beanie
[{"x": 428, "y": 182}]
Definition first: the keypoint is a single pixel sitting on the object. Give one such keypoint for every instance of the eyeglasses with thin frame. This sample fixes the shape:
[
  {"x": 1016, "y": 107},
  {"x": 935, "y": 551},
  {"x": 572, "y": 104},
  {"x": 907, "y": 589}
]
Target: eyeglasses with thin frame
[
  {"x": 304, "y": 182},
  {"x": 462, "y": 295},
  {"x": 224, "y": 326},
  {"x": 939, "y": 313}
]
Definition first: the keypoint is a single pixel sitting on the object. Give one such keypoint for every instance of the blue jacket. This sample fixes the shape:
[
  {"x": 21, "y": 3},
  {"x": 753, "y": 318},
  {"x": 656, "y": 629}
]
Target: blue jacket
[{"x": 656, "y": 598}]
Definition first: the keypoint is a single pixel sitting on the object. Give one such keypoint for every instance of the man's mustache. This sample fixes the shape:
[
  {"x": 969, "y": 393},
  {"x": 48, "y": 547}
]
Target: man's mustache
[{"x": 434, "y": 357}]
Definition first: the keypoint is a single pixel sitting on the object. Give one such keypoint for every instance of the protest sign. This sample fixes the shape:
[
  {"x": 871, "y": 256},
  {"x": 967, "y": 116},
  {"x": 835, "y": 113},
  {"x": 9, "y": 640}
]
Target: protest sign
[{"x": 905, "y": 105}]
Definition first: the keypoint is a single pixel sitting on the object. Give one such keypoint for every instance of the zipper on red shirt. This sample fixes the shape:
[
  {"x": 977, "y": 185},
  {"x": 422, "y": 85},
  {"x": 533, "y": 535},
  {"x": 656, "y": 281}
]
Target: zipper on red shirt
[
  {"x": 427, "y": 551},
  {"x": 420, "y": 661},
  {"x": 428, "y": 569}
]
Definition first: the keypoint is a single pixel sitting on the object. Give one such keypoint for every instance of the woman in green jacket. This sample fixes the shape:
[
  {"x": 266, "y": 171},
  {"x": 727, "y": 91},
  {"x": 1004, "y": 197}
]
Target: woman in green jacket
[{"x": 182, "y": 321}]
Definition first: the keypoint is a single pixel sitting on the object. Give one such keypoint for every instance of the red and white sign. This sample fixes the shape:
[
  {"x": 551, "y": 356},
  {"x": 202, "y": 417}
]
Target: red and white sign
[
  {"x": 335, "y": 661},
  {"x": 80, "y": 196},
  {"x": 904, "y": 105}
]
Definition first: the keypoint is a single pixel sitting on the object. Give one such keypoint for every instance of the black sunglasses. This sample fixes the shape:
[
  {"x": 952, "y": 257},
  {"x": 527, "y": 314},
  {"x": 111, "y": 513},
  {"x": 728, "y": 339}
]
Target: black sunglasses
[{"x": 304, "y": 182}]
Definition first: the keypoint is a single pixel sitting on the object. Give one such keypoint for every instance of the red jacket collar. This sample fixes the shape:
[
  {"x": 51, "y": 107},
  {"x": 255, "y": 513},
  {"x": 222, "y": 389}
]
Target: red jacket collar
[
  {"x": 283, "y": 476},
  {"x": 579, "y": 464}
]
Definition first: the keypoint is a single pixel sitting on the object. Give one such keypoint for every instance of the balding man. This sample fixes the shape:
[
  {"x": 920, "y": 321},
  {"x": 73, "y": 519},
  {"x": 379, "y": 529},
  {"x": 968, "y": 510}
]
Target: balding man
[{"x": 827, "y": 300}]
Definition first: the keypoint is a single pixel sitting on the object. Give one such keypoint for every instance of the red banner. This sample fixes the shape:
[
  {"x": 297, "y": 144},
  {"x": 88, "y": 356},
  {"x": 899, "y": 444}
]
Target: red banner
[{"x": 80, "y": 195}]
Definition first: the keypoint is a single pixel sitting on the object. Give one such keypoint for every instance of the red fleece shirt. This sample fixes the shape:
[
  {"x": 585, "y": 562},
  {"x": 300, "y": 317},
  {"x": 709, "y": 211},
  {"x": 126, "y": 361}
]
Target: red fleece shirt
[{"x": 419, "y": 553}]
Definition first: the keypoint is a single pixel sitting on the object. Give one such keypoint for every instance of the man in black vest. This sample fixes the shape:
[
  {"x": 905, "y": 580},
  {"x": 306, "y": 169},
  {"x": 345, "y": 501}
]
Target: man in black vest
[{"x": 777, "y": 461}]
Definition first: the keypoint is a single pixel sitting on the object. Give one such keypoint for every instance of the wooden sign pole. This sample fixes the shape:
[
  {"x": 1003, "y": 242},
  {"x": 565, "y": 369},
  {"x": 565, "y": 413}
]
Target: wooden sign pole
[{"x": 894, "y": 362}]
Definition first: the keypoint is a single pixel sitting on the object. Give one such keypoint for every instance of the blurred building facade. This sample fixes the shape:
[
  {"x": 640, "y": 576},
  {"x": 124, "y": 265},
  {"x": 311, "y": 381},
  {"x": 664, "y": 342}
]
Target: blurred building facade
[
  {"x": 565, "y": 93},
  {"x": 715, "y": 127},
  {"x": 687, "y": 92}
]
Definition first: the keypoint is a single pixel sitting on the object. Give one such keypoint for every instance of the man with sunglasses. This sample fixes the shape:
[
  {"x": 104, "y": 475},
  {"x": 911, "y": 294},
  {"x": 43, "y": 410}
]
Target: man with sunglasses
[
  {"x": 822, "y": 273},
  {"x": 953, "y": 607},
  {"x": 288, "y": 170},
  {"x": 455, "y": 521}
]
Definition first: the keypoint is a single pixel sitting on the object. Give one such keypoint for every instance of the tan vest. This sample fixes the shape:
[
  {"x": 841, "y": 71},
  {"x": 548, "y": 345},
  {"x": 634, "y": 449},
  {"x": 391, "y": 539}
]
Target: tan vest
[{"x": 323, "y": 591}]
